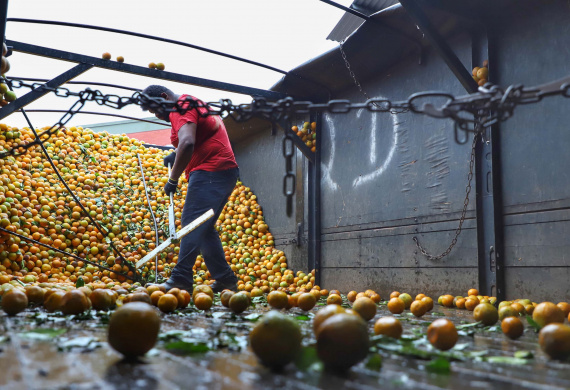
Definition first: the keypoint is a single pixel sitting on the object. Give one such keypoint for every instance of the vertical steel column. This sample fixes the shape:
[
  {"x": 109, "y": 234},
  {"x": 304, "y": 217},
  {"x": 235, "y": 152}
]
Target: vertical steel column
[
  {"x": 489, "y": 205},
  {"x": 3, "y": 16},
  {"x": 314, "y": 189}
]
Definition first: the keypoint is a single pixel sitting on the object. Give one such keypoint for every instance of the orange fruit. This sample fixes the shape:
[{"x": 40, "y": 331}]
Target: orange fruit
[
  {"x": 35, "y": 294},
  {"x": 396, "y": 306},
  {"x": 160, "y": 66},
  {"x": 121, "y": 59},
  {"x": 512, "y": 327},
  {"x": 133, "y": 329},
  {"x": 365, "y": 307},
  {"x": 324, "y": 313},
  {"x": 418, "y": 308},
  {"x": 486, "y": 313},
  {"x": 351, "y": 296},
  {"x": 275, "y": 339},
  {"x": 342, "y": 341},
  {"x": 334, "y": 292},
  {"x": 407, "y": 298},
  {"x": 471, "y": 303},
  {"x": 53, "y": 301},
  {"x": 507, "y": 311},
  {"x": 239, "y": 302},
  {"x": 460, "y": 303},
  {"x": 447, "y": 300},
  {"x": 334, "y": 299},
  {"x": 564, "y": 306},
  {"x": 14, "y": 302},
  {"x": 428, "y": 302},
  {"x": 106, "y": 56},
  {"x": 376, "y": 298},
  {"x": 203, "y": 288},
  {"x": 225, "y": 298},
  {"x": 473, "y": 291},
  {"x": 394, "y": 294},
  {"x": 152, "y": 65},
  {"x": 306, "y": 301},
  {"x": 184, "y": 297},
  {"x": 324, "y": 292},
  {"x": 74, "y": 302},
  {"x": 203, "y": 301},
  {"x": 155, "y": 296},
  {"x": 388, "y": 326},
  {"x": 442, "y": 334},
  {"x": 277, "y": 299},
  {"x": 518, "y": 307},
  {"x": 554, "y": 340},
  {"x": 419, "y": 297},
  {"x": 167, "y": 303},
  {"x": 529, "y": 309},
  {"x": 152, "y": 288},
  {"x": 101, "y": 299},
  {"x": 547, "y": 313},
  {"x": 140, "y": 297}
]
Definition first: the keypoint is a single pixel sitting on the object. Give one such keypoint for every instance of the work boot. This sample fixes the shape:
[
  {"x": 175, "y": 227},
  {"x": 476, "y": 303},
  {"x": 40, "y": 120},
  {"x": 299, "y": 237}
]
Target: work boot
[
  {"x": 220, "y": 285},
  {"x": 170, "y": 284}
]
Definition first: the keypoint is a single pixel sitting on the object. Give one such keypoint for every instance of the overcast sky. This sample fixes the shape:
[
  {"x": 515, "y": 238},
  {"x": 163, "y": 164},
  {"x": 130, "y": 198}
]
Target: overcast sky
[{"x": 280, "y": 33}]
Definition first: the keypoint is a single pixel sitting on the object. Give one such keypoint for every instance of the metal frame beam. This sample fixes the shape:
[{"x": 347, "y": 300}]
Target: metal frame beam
[
  {"x": 314, "y": 214},
  {"x": 489, "y": 202},
  {"x": 416, "y": 12},
  {"x": 141, "y": 71},
  {"x": 37, "y": 93}
]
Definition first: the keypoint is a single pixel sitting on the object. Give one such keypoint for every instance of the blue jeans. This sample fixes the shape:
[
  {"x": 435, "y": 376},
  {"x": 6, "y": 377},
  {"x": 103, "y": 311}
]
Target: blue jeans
[{"x": 206, "y": 190}]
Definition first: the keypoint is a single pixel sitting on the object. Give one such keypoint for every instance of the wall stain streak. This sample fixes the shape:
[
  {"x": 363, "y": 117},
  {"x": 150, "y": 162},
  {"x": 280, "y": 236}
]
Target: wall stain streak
[
  {"x": 437, "y": 155},
  {"x": 406, "y": 161}
]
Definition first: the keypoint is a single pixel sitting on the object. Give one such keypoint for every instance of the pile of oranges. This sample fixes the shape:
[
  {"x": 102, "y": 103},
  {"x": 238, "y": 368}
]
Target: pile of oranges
[
  {"x": 481, "y": 74},
  {"x": 103, "y": 171},
  {"x": 308, "y": 134}
]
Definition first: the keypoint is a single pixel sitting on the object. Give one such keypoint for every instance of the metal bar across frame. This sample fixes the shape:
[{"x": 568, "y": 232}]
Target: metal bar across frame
[{"x": 139, "y": 70}]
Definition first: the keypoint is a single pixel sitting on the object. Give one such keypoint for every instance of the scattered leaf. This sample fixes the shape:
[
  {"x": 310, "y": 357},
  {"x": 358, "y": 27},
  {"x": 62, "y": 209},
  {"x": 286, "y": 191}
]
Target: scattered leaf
[
  {"x": 43, "y": 334},
  {"x": 470, "y": 325},
  {"x": 80, "y": 282},
  {"x": 187, "y": 347},
  {"x": 507, "y": 360},
  {"x": 436, "y": 313},
  {"x": 460, "y": 347},
  {"x": 524, "y": 354},
  {"x": 533, "y": 323},
  {"x": 87, "y": 343},
  {"x": 307, "y": 359},
  {"x": 302, "y": 317},
  {"x": 252, "y": 317},
  {"x": 374, "y": 362},
  {"x": 439, "y": 366}
]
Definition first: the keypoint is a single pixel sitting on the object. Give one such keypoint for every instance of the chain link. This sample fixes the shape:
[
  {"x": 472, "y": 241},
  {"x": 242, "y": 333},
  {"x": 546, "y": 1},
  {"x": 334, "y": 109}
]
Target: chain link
[
  {"x": 463, "y": 212},
  {"x": 289, "y": 178}
]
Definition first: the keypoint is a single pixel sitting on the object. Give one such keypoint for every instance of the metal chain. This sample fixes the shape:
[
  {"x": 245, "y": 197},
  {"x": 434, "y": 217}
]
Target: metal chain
[
  {"x": 359, "y": 86},
  {"x": 463, "y": 212},
  {"x": 289, "y": 178}
]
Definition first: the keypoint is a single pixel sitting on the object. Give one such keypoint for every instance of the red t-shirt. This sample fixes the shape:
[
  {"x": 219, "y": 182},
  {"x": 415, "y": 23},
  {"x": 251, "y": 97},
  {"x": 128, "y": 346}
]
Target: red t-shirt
[{"x": 212, "y": 149}]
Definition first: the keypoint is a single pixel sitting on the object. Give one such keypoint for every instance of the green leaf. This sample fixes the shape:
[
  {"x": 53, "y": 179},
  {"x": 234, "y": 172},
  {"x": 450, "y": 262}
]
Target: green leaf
[
  {"x": 439, "y": 366},
  {"x": 524, "y": 355},
  {"x": 374, "y": 362},
  {"x": 43, "y": 334},
  {"x": 252, "y": 317},
  {"x": 302, "y": 317},
  {"x": 187, "y": 347},
  {"x": 507, "y": 360},
  {"x": 533, "y": 323},
  {"x": 307, "y": 359},
  {"x": 460, "y": 347},
  {"x": 471, "y": 325},
  {"x": 80, "y": 282},
  {"x": 436, "y": 313},
  {"x": 88, "y": 343}
]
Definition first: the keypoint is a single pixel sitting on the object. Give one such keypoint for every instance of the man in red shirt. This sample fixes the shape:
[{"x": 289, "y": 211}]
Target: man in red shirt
[{"x": 204, "y": 153}]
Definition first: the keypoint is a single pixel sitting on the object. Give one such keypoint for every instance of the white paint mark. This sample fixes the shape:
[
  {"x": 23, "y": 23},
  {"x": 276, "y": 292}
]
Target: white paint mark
[
  {"x": 326, "y": 169},
  {"x": 380, "y": 170}
]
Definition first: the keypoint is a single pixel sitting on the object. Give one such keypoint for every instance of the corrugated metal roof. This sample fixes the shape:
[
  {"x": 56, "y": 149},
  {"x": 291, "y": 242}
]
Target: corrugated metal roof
[{"x": 349, "y": 22}]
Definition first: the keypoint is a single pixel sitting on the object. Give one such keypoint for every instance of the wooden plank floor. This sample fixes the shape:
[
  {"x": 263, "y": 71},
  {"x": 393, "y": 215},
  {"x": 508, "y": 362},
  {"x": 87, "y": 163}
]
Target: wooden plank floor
[{"x": 80, "y": 358}]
